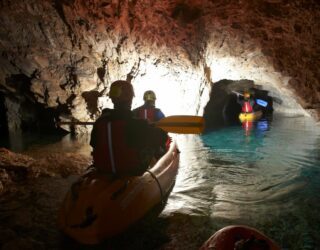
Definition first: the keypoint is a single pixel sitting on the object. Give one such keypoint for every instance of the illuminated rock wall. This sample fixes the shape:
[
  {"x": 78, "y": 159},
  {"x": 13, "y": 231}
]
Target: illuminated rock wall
[{"x": 70, "y": 51}]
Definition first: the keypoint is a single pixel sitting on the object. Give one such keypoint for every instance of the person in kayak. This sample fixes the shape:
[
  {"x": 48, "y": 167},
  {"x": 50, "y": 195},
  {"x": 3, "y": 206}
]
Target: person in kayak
[
  {"x": 148, "y": 110},
  {"x": 123, "y": 145},
  {"x": 247, "y": 103}
]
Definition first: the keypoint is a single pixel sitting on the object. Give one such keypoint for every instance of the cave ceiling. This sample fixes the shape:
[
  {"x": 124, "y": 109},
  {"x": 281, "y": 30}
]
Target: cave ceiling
[{"x": 63, "y": 55}]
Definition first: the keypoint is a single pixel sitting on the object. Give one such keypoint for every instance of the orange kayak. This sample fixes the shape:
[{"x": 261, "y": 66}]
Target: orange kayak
[
  {"x": 239, "y": 237},
  {"x": 97, "y": 208}
]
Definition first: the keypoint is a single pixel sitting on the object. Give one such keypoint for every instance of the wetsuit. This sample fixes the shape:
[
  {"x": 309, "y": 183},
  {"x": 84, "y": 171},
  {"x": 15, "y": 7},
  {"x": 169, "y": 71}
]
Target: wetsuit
[{"x": 123, "y": 145}]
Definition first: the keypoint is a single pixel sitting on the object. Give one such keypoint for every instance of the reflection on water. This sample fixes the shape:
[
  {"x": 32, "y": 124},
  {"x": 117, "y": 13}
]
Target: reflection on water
[
  {"x": 268, "y": 179},
  {"x": 267, "y": 176}
]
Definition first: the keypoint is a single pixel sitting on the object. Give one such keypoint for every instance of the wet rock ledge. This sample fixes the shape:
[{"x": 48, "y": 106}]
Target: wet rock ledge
[{"x": 31, "y": 191}]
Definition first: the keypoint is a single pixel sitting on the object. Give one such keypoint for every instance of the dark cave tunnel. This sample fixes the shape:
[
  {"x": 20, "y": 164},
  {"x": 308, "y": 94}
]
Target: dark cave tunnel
[
  {"x": 26, "y": 114},
  {"x": 3, "y": 117},
  {"x": 231, "y": 110},
  {"x": 223, "y": 108}
]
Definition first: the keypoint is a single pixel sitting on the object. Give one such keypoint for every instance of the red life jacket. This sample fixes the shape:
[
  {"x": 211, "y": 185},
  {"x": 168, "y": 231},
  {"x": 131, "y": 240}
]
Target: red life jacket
[
  {"x": 246, "y": 107},
  {"x": 111, "y": 153},
  {"x": 147, "y": 113}
]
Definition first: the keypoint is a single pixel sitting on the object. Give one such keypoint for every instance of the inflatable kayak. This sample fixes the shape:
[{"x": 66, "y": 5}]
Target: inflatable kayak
[
  {"x": 250, "y": 116},
  {"x": 239, "y": 237},
  {"x": 97, "y": 207}
]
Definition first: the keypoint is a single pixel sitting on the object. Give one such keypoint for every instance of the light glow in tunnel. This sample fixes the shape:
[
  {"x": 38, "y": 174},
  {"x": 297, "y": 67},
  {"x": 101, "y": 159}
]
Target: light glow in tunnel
[
  {"x": 255, "y": 66},
  {"x": 180, "y": 90},
  {"x": 177, "y": 91}
]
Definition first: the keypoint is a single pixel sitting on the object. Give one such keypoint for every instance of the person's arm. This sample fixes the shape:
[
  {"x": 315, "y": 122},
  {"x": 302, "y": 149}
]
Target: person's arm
[
  {"x": 135, "y": 112},
  {"x": 93, "y": 137},
  {"x": 159, "y": 114},
  {"x": 141, "y": 134},
  {"x": 105, "y": 113},
  {"x": 252, "y": 102}
]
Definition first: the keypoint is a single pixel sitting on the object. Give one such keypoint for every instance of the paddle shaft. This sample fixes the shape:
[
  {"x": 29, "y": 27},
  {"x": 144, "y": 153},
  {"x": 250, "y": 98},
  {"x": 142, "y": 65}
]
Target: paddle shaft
[
  {"x": 75, "y": 123},
  {"x": 183, "y": 124},
  {"x": 258, "y": 101},
  {"x": 275, "y": 99}
]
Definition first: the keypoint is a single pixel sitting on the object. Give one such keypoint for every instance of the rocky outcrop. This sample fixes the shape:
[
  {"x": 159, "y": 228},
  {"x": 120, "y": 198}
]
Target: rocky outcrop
[
  {"x": 17, "y": 168},
  {"x": 61, "y": 56}
]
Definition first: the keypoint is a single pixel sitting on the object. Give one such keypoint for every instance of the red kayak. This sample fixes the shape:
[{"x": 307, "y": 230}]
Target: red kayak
[{"x": 238, "y": 237}]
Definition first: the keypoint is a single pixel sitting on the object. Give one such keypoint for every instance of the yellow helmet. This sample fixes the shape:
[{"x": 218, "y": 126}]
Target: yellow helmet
[
  {"x": 121, "y": 91},
  {"x": 246, "y": 94},
  {"x": 149, "y": 95}
]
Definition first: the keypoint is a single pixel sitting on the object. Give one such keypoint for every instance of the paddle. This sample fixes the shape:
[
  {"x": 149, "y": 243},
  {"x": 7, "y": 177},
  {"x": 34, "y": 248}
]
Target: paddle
[
  {"x": 262, "y": 102},
  {"x": 258, "y": 101},
  {"x": 179, "y": 124}
]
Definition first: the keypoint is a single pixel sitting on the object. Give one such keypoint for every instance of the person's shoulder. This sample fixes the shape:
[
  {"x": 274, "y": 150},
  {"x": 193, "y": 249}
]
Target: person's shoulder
[
  {"x": 158, "y": 110},
  {"x": 138, "y": 108},
  {"x": 105, "y": 114},
  {"x": 139, "y": 121},
  {"x": 137, "y": 125},
  {"x": 160, "y": 114},
  {"x": 106, "y": 111}
]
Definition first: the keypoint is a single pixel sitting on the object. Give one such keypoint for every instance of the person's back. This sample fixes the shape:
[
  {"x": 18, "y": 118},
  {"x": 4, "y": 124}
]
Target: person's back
[
  {"x": 121, "y": 144},
  {"x": 148, "y": 110}
]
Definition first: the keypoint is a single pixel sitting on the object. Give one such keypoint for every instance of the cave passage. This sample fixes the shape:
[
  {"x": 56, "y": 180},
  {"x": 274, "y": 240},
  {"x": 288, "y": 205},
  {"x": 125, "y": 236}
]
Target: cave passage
[
  {"x": 223, "y": 108},
  {"x": 3, "y": 117}
]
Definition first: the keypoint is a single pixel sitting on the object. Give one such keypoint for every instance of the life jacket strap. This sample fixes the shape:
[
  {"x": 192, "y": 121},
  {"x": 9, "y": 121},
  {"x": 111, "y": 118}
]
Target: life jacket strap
[
  {"x": 160, "y": 188},
  {"x": 113, "y": 166}
]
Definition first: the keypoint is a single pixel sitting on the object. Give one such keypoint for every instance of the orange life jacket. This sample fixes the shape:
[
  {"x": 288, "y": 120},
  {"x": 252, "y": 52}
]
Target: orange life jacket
[
  {"x": 246, "y": 107},
  {"x": 148, "y": 113},
  {"x": 112, "y": 154}
]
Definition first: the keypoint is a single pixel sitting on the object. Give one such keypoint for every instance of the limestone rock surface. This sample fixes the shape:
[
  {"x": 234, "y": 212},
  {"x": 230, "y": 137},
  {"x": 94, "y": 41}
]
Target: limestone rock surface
[{"x": 63, "y": 55}]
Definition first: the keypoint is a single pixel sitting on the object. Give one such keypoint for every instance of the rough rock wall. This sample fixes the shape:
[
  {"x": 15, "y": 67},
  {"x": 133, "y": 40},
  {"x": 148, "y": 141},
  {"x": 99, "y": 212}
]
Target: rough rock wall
[{"x": 69, "y": 51}]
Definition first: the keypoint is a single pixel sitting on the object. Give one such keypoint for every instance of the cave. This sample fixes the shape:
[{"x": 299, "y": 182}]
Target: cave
[
  {"x": 59, "y": 58},
  {"x": 181, "y": 56},
  {"x": 223, "y": 108}
]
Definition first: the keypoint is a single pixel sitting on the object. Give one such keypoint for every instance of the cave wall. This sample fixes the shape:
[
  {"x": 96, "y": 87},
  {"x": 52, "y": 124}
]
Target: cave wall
[
  {"x": 3, "y": 117},
  {"x": 71, "y": 50}
]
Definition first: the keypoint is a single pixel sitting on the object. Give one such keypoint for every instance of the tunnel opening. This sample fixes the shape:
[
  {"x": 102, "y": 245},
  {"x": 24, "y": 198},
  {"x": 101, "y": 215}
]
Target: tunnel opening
[
  {"x": 231, "y": 111},
  {"x": 224, "y": 106}
]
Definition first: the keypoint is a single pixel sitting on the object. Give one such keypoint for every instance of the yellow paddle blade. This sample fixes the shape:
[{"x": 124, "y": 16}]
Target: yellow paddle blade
[{"x": 182, "y": 124}]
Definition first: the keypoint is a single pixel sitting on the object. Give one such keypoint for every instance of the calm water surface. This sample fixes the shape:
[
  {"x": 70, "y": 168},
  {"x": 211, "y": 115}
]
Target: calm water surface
[{"x": 268, "y": 178}]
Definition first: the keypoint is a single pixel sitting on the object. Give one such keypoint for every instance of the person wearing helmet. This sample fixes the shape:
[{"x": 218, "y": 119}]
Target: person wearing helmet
[
  {"x": 247, "y": 103},
  {"x": 148, "y": 110},
  {"x": 123, "y": 145}
]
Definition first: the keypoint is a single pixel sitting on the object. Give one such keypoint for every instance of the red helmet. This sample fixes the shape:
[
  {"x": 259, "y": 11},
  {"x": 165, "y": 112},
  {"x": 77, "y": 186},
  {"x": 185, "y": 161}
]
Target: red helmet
[{"x": 121, "y": 91}]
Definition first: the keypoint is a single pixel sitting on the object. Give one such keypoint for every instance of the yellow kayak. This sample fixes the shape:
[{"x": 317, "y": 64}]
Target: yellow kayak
[
  {"x": 97, "y": 207},
  {"x": 250, "y": 116}
]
